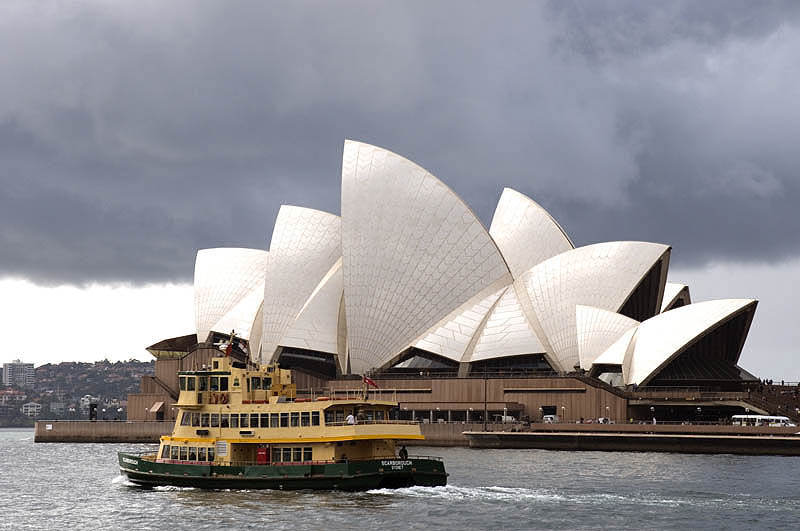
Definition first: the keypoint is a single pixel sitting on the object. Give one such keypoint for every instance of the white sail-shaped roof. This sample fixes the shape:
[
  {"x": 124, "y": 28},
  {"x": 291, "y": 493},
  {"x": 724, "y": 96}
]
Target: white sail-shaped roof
[
  {"x": 228, "y": 288},
  {"x": 662, "y": 338},
  {"x": 317, "y": 326},
  {"x": 615, "y": 354},
  {"x": 255, "y": 334},
  {"x": 413, "y": 253},
  {"x": 525, "y": 232},
  {"x": 507, "y": 331},
  {"x": 675, "y": 294},
  {"x": 597, "y": 330},
  {"x": 305, "y": 245},
  {"x": 602, "y": 275},
  {"x": 451, "y": 338}
]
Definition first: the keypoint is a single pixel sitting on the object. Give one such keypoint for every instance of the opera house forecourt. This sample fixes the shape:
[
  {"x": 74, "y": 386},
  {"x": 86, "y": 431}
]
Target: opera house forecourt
[{"x": 459, "y": 323}]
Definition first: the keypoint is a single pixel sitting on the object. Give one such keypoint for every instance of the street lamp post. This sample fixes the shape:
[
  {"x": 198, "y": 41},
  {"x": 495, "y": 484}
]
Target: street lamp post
[
  {"x": 653, "y": 413},
  {"x": 563, "y": 414}
]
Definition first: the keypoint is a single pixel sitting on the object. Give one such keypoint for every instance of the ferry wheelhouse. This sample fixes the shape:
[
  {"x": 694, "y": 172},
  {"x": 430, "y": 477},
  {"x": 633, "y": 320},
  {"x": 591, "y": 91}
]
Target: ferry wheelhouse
[{"x": 245, "y": 428}]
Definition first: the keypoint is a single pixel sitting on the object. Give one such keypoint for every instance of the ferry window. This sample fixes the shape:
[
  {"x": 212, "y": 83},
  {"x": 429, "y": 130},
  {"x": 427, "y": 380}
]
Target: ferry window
[
  {"x": 165, "y": 452},
  {"x": 370, "y": 414},
  {"x": 201, "y": 454},
  {"x": 223, "y": 383},
  {"x": 192, "y": 453},
  {"x": 297, "y": 454},
  {"x": 183, "y": 383},
  {"x": 234, "y": 420},
  {"x": 186, "y": 419},
  {"x": 174, "y": 452},
  {"x": 183, "y": 453},
  {"x": 379, "y": 414},
  {"x": 295, "y": 419},
  {"x": 248, "y": 385},
  {"x": 195, "y": 419},
  {"x": 307, "y": 453},
  {"x": 214, "y": 383},
  {"x": 244, "y": 423},
  {"x": 284, "y": 420},
  {"x": 216, "y": 364},
  {"x": 255, "y": 382},
  {"x": 224, "y": 421},
  {"x": 190, "y": 383},
  {"x": 305, "y": 418},
  {"x": 339, "y": 415},
  {"x": 287, "y": 455},
  {"x": 215, "y": 420},
  {"x": 204, "y": 420},
  {"x": 211, "y": 453},
  {"x": 328, "y": 417},
  {"x": 276, "y": 454},
  {"x": 236, "y": 382},
  {"x": 254, "y": 420},
  {"x": 273, "y": 420},
  {"x": 315, "y": 418},
  {"x": 265, "y": 420},
  {"x": 202, "y": 383},
  {"x": 266, "y": 383}
]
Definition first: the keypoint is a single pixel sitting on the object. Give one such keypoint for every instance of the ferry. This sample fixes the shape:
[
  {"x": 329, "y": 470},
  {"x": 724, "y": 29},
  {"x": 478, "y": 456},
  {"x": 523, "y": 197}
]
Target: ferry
[{"x": 241, "y": 427}]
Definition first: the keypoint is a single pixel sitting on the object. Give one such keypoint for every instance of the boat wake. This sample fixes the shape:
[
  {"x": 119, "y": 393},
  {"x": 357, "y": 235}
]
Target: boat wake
[
  {"x": 171, "y": 488},
  {"x": 456, "y": 493},
  {"x": 123, "y": 480},
  {"x": 498, "y": 494}
]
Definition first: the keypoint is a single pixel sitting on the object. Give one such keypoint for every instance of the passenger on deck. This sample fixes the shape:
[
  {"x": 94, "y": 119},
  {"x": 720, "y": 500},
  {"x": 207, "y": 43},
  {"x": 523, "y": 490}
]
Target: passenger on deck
[
  {"x": 350, "y": 419},
  {"x": 403, "y": 453}
]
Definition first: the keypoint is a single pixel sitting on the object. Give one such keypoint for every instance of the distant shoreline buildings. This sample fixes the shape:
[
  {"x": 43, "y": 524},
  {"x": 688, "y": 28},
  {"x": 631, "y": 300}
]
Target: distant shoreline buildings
[{"x": 19, "y": 374}]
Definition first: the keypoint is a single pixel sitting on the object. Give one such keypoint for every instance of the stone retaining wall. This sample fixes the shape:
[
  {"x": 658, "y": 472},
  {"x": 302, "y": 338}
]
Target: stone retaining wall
[{"x": 100, "y": 431}]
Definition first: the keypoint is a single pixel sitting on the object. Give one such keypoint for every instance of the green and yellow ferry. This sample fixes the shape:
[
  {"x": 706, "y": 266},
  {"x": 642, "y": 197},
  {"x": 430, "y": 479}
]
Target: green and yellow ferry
[{"x": 243, "y": 428}]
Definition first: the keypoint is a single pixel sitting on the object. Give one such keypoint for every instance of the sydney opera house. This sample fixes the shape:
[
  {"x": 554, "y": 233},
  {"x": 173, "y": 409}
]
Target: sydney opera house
[{"x": 408, "y": 286}]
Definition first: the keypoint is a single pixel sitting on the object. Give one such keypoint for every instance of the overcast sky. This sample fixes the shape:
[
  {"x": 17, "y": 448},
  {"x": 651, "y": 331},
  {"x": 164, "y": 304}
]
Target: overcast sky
[{"x": 133, "y": 134}]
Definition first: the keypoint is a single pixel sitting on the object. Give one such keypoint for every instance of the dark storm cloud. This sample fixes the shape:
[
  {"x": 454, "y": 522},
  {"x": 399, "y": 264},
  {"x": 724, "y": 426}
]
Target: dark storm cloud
[{"x": 133, "y": 134}]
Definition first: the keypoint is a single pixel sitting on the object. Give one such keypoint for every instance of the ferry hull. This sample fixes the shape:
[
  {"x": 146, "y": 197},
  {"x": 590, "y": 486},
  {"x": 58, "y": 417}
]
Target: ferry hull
[{"x": 353, "y": 475}]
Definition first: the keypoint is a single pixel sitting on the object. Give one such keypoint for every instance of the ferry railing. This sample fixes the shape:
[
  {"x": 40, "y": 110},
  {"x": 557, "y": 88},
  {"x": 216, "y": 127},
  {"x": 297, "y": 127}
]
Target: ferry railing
[{"x": 363, "y": 422}]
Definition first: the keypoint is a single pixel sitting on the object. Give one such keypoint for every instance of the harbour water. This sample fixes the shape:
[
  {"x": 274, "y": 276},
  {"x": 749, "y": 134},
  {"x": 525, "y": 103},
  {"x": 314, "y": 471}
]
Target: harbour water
[{"x": 78, "y": 486}]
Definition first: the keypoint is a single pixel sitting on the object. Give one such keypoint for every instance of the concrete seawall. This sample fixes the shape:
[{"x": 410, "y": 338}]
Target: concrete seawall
[
  {"x": 640, "y": 442},
  {"x": 444, "y": 434},
  {"x": 100, "y": 431}
]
